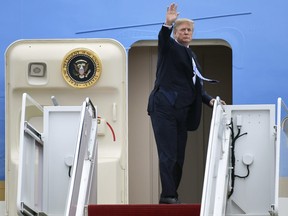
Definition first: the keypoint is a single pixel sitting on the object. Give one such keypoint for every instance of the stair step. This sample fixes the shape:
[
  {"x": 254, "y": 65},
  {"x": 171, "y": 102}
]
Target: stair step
[{"x": 144, "y": 209}]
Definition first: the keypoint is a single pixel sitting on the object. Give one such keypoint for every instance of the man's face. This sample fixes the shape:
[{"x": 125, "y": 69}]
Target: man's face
[{"x": 183, "y": 33}]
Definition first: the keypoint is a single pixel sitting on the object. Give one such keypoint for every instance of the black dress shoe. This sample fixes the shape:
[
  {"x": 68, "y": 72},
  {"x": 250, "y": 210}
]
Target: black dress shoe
[{"x": 169, "y": 200}]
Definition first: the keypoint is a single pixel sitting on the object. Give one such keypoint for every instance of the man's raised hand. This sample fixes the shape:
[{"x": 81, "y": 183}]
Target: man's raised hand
[{"x": 171, "y": 14}]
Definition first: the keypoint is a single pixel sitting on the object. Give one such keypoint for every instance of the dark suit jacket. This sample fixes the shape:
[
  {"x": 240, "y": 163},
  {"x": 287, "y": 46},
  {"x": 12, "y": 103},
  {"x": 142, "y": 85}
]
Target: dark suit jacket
[{"x": 174, "y": 78}]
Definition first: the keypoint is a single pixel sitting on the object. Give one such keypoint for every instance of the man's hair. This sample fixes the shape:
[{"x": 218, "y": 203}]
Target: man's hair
[{"x": 183, "y": 20}]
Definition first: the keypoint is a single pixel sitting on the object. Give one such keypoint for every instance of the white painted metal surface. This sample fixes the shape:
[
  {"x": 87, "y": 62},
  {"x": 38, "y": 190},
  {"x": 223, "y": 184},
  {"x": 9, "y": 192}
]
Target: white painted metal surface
[
  {"x": 30, "y": 187},
  {"x": 83, "y": 186},
  {"x": 241, "y": 165},
  {"x": 49, "y": 183},
  {"x": 61, "y": 126},
  {"x": 215, "y": 183},
  {"x": 281, "y": 181}
]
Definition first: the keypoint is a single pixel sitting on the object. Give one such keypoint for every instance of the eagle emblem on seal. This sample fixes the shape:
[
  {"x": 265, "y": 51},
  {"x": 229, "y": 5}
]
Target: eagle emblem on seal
[{"x": 81, "y": 68}]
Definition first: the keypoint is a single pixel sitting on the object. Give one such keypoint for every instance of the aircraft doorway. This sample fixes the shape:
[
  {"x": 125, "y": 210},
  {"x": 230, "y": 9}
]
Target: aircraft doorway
[{"x": 215, "y": 57}]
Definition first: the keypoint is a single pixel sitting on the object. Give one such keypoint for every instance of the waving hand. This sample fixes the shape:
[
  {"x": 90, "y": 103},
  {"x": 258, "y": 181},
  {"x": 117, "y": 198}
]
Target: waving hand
[{"x": 171, "y": 14}]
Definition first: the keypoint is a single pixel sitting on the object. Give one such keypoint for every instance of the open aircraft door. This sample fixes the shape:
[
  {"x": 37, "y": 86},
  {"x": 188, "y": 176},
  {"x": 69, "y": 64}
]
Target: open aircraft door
[
  {"x": 246, "y": 167},
  {"x": 71, "y": 70}
]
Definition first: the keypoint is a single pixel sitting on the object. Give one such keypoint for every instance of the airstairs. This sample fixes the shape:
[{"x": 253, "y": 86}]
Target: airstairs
[
  {"x": 245, "y": 173},
  {"x": 246, "y": 167},
  {"x": 57, "y": 168}
]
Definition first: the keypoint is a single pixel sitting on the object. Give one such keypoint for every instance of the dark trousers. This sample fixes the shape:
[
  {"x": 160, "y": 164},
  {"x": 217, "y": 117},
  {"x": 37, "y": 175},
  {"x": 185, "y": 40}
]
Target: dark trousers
[{"x": 170, "y": 131}]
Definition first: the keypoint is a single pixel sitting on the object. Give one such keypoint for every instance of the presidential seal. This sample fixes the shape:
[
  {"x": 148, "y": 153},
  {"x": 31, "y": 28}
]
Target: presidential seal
[{"x": 81, "y": 68}]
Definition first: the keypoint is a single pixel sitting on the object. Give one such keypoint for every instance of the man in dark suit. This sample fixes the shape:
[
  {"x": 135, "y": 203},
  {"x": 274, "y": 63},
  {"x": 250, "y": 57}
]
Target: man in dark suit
[{"x": 175, "y": 103}]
